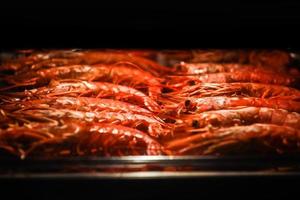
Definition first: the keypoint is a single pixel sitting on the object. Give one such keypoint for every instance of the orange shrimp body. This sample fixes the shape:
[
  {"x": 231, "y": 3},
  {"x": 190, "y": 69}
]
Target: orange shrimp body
[
  {"x": 237, "y": 89},
  {"x": 239, "y": 140},
  {"x": 272, "y": 58},
  {"x": 78, "y": 103},
  {"x": 37, "y": 60},
  {"x": 238, "y": 76},
  {"x": 241, "y": 116},
  {"x": 154, "y": 125},
  {"x": 77, "y": 139},
  {"x": 113, "y": 73},
  {"x": 136, "y": 142},
  {"x": 92, "y": 89},
  {"x": 217, "y": 103},
  {"x": 208, "y": 68},
  {"x": 94, "y": 57}
]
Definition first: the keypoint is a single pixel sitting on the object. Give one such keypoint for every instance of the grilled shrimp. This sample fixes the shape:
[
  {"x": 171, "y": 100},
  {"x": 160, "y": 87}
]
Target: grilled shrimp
[
  {"x": 120, "y": 74},
  {"x": 235, "y": 89},
  {"x": 238, "y": 76},
  {"x": 76, "y": 88},
  {"x": 198, "y": 105},
  {"x": 131, "y": 76},
  {"x": 275, "y": 58},
  {"x": 17, "y": 140},
  {"x": 44, "y": 76},
  {"x": 252, "y": 139},
  {"x": 78, "y": 103},
  {"x": 240, "y": 116},
  {"x": 41, "y": 59},
  {"x": 89, "y": 58},
  {"x": 154, "y": 125},
  {"x": 95, "y": 57},
  {"x": 207, "y": 68},
  {"x": 77, "y": 139},
  {"x": 134, "y": 141},
  {"x": 221, "y": 56}
]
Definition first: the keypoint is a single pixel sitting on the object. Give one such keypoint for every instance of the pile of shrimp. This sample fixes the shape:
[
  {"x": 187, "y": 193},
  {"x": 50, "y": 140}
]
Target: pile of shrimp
[{"x": 61, "y": 103}]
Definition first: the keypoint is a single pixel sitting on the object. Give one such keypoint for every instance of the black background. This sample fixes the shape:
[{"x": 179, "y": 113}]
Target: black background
[
  {"x": 153, "y": 189},
  {"x": 112, "y": 24}
]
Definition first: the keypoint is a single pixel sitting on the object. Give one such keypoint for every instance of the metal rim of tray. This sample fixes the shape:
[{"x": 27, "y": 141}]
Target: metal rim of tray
[
  {"x": 147, "y": 175},
  {"x": 216, "y": 164},
  {"x": 205, "y": 167}
]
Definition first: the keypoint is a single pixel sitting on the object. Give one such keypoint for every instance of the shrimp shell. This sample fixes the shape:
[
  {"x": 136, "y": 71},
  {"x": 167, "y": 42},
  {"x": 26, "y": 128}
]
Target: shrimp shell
[
  {"x": 76, "y": 88},
  {"x": 239, "y": 140},
  {"x": 156, "y": 127},
  {"x": 236, "y": 89},
  {"x": 77, "y": 139},
  {"x": 78, "y": 103},
  {"x": 218, "y": 103},
  {"x": 241, "y": 116}
]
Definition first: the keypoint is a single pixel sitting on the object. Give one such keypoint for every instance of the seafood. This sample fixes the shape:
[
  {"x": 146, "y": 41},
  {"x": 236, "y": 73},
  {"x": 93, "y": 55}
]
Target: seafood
[
  {"x": 49, "y": 63},
  {"x": 212, "y": 55},
  {"x": 207, "y": 68},
  {"x": 16, "y": 140},
  {"x": 119, "y": 102},
  {"x": 131, "y": 76},
  {"x": 155, "y": 126},
  {"x": 115, "y": 73},
  {"x": 35, "y": 60},
  {"x": 145, "y": 53},
  {"x": 138, "y": 142},
  {"x": 44, "y": 76},
  {"x": 76, "y": 88},
  {"x": 252, "y": 139},
  {"x": 238, "y": 76},
  {"x": 198, "y": 105},
  {"x": 273, "y": 58},
  {"x": 240, "y": 116},
  {"x": 78, "y": 103},
  {"x": 75, "y": 139},
  {"x": 89, "y": 58},
  {"x": 173, "y": 57},
  {"x": 236, "y": 89},
  {"x": 95, "y": 57}
]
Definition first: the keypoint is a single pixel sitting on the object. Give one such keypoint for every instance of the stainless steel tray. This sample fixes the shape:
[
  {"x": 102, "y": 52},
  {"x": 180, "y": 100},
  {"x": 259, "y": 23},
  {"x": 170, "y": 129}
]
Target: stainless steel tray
[
  {"x": 149, "y": 167},
  {"x": 146, "y": 167}
]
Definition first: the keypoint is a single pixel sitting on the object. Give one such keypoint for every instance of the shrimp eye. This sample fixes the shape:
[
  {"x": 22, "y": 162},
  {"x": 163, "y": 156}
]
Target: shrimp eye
[
  {"x": 187, "y": 103},
  {"x": 166, "y": 90},
  {"x": 195, "y": 124},
  {"x": 191, "y": 82}
]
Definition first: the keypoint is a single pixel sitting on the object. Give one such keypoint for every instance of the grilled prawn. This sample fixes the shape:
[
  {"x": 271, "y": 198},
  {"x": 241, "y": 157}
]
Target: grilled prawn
[
  {"x": 121, "y": 74},
  {"x": 78, "y": 103},
  {"x": 240, "y": 116},
  {"x": 235, "y": 89},
  {"x": 77, "y": 139},
  {"x": 198, "y": 105},
  {"x": 275, "y": 59},
  {"x": 208, "y": 68},
  {"x": 76, "y": 88},
  {"x": 154, "y": 125},
  {"x": 241, "y": 140},
  {"x": 237, "y": 76},
  {"x": 86, "y": 57}
]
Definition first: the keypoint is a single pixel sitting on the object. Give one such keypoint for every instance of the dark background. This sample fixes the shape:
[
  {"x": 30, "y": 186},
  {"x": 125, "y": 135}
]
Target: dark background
[
  {"x": 267, "y": 188},
  {"x": 202, "y": 24}
]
